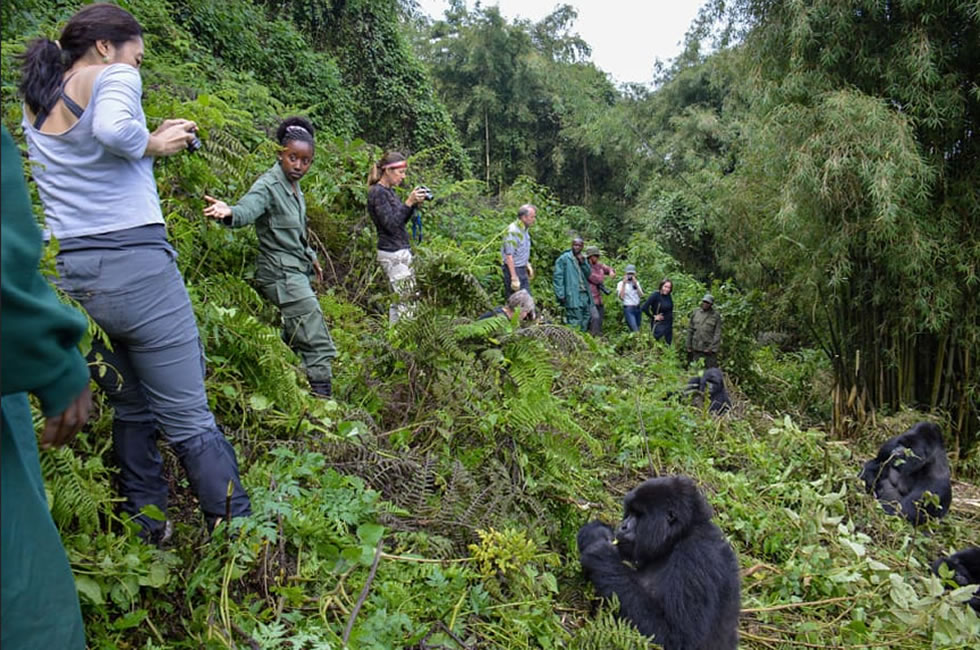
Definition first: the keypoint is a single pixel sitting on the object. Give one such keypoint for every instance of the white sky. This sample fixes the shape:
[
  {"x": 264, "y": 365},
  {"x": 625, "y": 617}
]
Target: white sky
[{"x": 626, "y": 36}]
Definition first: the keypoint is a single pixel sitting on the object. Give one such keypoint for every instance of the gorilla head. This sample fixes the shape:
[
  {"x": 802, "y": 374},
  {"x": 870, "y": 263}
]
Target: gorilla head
[
  {"x": 658, "y": 512},
  {"x": 965, "y": 566},
  {"x": 906, "y": 467},
  {"x": 714, "y": 385},
  {"x": 711, "y": 385},
  {"x": 683, "y": 585}
]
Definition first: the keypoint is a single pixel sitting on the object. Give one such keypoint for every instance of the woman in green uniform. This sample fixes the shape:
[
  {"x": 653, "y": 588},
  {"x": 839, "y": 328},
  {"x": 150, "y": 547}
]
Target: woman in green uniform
[{"x": 287, "y": 264}]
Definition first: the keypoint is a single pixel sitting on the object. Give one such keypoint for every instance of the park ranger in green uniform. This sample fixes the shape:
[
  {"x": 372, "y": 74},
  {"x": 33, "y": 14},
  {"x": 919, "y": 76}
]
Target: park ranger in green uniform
[
  {"x": 704, "y": 333},
  {"x": 287, "y": 263},
  {"x": 40, "y": 604}
]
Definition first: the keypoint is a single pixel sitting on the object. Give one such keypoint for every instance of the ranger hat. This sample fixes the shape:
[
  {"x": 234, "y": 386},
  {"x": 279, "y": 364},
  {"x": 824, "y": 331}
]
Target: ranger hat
[
  {"x": 630, "y": 268},
  {"x": 592, "y": 250},
  {"x": 708, "y": 298}
]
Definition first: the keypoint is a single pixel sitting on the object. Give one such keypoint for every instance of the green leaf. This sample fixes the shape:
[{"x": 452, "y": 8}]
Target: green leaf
[
  {"x": 130, "y": 620},
  {"x": 153, "y": 512},
  {"x": 90, "y": 589},
  {"x": 369, "y": 534},
  {"x": 259, "y": 402}
]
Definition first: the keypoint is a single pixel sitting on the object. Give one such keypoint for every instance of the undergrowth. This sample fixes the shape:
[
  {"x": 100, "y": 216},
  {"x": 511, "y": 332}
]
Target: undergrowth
[{"x": 434, "y": 503}]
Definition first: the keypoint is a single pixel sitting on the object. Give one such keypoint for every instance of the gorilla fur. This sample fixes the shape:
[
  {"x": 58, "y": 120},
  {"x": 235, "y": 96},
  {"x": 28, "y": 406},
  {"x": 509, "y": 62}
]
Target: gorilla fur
[
  {"x": 907, "y": 466},
  {"x": 681, "y": 585},
  {"x": 965, "y": 566},
  {"x": 712, "y": 384}
]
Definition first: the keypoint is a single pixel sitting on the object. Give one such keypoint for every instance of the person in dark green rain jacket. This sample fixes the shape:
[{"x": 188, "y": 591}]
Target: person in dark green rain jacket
[
  {"x": 286, "y": 263},
  {"x": 572, "y": 287},
  {"x": 39, "y": 356}
]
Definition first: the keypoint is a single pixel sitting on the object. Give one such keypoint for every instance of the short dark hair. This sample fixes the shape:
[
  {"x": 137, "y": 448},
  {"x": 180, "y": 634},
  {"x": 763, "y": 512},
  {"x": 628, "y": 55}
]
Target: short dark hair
[{"x": 295, "y": 128}]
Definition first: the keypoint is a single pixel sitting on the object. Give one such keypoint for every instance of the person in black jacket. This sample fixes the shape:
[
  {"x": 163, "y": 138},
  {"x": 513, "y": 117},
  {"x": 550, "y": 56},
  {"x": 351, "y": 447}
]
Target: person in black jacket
[
  {"x": 660, "y": 309},
  {"x": 390, "y": 215}
]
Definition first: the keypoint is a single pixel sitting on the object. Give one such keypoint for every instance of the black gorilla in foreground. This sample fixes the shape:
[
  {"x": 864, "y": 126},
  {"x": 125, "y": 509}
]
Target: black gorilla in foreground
[
  {"x": 907, "y": 466},
  {"x": 965, "y": 566},
  {"x": 711, "y": 384},
  {"x": 681, "y": 585}
]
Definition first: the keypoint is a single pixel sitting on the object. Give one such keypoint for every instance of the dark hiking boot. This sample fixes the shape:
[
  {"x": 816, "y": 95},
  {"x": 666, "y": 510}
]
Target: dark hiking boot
[{"x": 321, "y": 388}]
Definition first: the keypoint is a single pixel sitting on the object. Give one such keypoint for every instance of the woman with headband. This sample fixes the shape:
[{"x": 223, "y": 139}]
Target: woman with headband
[
  {"x": 390, "y": 216},
  {"x": 287, "y": 264}
]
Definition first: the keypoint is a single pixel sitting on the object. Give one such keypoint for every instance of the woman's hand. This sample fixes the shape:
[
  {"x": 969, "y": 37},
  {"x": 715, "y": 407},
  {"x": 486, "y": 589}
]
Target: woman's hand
[
  {"x": 415, "y": 197},
  {"x": 170, "y": 137},
  {"x": 658, "y": 317},
  {"x": 318, "y": 270},
  {"x": 217, "y": 210}
]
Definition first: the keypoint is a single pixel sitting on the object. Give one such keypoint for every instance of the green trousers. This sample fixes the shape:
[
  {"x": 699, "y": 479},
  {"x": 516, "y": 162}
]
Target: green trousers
[
  {"x": 303, "y": 327},
  {"x": 578, "y": 316},
  {"x": 40, "y": 605}
]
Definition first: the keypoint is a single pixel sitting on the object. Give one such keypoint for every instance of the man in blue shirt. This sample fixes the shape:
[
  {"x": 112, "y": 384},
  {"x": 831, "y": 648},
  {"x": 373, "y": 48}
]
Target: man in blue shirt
[{"x": 515, "y": 254}]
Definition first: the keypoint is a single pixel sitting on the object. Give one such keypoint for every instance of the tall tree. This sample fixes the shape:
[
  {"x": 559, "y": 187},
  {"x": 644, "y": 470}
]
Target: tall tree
[{"x": 855, "y": 194}]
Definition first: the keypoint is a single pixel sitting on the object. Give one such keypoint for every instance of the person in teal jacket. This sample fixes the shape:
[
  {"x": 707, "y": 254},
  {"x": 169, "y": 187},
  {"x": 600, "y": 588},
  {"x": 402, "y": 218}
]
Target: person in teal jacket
[
  {"x": 571, "y": 285},
  {"x": 39, "y": 607},
  {"x": 287, "y": 263}
]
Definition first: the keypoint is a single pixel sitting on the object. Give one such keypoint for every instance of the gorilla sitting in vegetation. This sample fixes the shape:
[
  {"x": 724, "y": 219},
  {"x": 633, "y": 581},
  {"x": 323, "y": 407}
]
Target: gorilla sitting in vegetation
[
  {"x": 965, "y": 566},
  {"x": 681, "y": 583},
  {"x": 906, "y": 467},
  {"x": 712, "y": 384}
]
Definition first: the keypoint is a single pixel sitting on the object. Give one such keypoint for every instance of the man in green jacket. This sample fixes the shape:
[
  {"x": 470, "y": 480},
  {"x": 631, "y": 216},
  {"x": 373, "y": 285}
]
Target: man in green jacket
[
  {"x": 39, "y": 607},
  {"x": 704, "y": 333},
  {"x": 572, "y": 286}
]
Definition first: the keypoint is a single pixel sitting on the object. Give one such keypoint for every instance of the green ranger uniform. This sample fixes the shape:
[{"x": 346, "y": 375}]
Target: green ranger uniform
[
  {"x": 285, "y": 266},
  {"x": 39, "y": 335},
  {"x": 572, "y": 289},
  {"x": 704, "y": 337}
]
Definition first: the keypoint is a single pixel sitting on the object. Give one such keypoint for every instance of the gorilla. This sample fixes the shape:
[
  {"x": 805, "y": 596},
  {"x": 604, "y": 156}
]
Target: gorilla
[
  {"x": 965, "y": 566},
  {"x": 714, "y": 382},
  {"x": 681, "y": 583},
  {"x": 907, "y": 466}
]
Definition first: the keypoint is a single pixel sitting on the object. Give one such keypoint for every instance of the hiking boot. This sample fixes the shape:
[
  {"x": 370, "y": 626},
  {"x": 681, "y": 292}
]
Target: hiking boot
[
  {"x": 157, "y": 536},
  {"x": 321, "y": 388}
]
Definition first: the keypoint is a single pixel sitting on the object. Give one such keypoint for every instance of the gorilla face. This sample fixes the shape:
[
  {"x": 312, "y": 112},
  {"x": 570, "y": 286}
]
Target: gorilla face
[{"x": 659, "y": 512}]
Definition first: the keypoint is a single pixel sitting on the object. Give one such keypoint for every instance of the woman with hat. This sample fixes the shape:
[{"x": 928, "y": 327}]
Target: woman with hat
[
  {"x": 660, "y": 308},
  {"x": 597, "y": 277},
  {"x": 630, "y": 292}
]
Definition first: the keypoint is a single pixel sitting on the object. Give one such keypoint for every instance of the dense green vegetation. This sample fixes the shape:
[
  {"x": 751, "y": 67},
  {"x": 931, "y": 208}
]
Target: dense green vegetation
[{"x": 817, "y": 172}]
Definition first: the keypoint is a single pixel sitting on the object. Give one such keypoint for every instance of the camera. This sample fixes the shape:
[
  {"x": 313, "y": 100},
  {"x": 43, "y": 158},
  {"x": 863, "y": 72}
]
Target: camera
[
  {"x": 426, "y": 192},
  {"x": 194, "y": 144}
]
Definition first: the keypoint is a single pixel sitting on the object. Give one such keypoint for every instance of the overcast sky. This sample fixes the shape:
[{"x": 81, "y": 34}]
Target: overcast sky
[{"x": 626, "y": 36}]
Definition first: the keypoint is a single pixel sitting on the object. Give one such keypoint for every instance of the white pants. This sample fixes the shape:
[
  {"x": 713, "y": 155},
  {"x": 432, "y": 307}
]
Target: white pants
[{"x": 397, "y": 266}]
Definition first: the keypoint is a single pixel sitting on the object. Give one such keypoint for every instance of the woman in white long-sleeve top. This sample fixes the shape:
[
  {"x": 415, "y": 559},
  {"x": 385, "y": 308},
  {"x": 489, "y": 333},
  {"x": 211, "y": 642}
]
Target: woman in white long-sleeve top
[{"x": 85, "y": 126}]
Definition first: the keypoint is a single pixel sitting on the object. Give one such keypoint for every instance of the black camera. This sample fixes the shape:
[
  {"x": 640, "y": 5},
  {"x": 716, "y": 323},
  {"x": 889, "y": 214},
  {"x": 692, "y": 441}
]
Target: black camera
[
  {"x": 426, "y": 193},
  {"x": 194, "y": 144}
]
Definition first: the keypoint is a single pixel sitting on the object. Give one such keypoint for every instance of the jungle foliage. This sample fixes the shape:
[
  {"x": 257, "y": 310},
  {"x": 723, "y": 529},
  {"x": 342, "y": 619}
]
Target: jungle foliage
[{"x": 434, "y": 503}]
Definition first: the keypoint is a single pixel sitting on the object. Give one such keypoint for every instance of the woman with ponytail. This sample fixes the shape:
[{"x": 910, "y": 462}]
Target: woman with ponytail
[
  {"x": 287, "y": 264},
  {"x": 85, "y": 127},
  {"x": 390, "y": 215}
]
